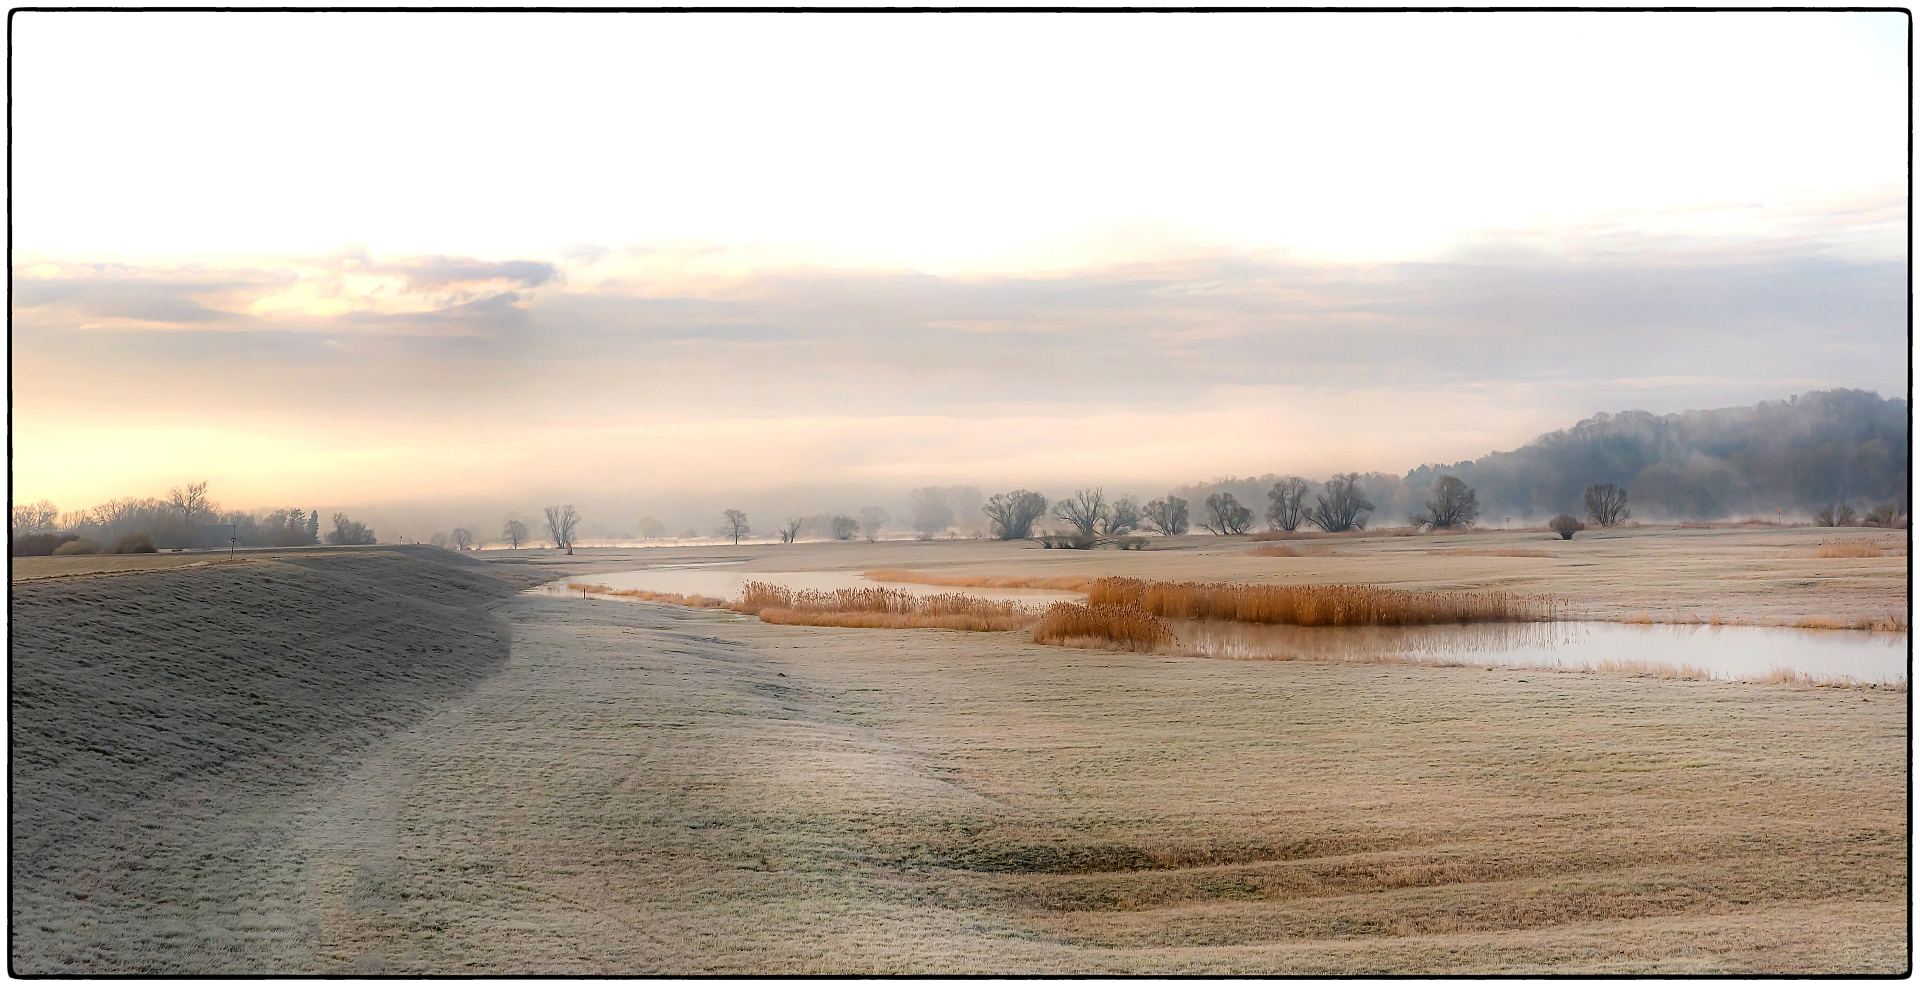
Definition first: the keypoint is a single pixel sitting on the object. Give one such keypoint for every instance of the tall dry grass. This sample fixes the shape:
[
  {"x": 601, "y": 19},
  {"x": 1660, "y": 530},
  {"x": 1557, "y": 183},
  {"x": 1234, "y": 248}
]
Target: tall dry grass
[
  {"x": 1124, "y": 627},
  {"x": 1074, "y": 584},
  {"x": 1339, "y": 605},
  {"x": 879, "y": 607},
  {"x": 677, "y": 599}
]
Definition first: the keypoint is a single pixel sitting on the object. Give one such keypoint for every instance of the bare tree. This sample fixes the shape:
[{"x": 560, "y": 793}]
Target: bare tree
[
  {"x": 1013, "y": 513},
  {"x": 736, "y": 525},
  {"x": 1606, "y": 504},
  {"x": 1565, "y": 525},
  {"x": 37, "y": 518},
  {"x": 1287, "y": 504},
  {"x": 872, "y": 519},
  {"x": 1167, "y": 515},
  {"x": 1086, "y": 510},
  {"x": 1453, "y": 505},
  {"x": 461, "y": 540},
  {"x": 1887, "y": 515},
  {"x": 1123, "y": 517},
  {"x": 1343, "y": 507},
  {"x": 842, "y": 527},
  {"x": 561, "y": 521},
  {"x": 514, "y": 530},
  {"x": 932, "y": 511},
  {"x": 192, "y": 503},
  {"x": 1844, "y": 517},
  {"x": 1225, "y": 516},
  {"x": 438, "y": 539},
  {"x": 791, "y": 531},
  {"x": 347, "y": 531}
]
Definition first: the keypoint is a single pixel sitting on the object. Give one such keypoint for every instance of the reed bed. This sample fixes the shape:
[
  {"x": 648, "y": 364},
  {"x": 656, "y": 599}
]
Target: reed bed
[
  {"x": 1338, "y": 605},
  {"x": 879, "y": 607},
  {"x": 677, "y": 599},
  {"x": 1073, "y": 584},
  {"x": 1125, "y": 628}
]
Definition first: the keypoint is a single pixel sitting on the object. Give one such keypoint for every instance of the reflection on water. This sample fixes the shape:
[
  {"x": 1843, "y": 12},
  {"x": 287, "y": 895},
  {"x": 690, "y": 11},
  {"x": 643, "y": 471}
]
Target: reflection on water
[
  {"x": 1682, "y": 650},
  {"x": 717, "y": 579}
]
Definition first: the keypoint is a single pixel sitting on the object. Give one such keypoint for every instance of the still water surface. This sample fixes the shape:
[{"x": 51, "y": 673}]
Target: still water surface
[
  {"x": 716, "y": 579},
  {"x": 1725, "y": 652}
]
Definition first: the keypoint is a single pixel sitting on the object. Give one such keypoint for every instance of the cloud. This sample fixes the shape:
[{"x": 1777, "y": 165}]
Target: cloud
[{"x": 860, "y": 373}]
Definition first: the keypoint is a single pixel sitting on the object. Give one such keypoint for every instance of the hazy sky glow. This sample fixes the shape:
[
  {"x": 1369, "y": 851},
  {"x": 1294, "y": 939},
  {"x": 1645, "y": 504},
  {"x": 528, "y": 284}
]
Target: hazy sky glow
[{"x": 358, "y": 259}]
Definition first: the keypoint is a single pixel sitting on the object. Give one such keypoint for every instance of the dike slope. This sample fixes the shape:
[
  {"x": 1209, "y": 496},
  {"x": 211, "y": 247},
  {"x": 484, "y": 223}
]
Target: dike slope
[{"x": 147, "y": 705}]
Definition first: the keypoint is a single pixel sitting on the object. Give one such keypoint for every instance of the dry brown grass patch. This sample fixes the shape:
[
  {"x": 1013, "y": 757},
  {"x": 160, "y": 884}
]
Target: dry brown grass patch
[
  {"x": 676, "y": 599},
  {"x": 1126, "y": 627},
  {"x": 1854, "y": 549},
  {"x": 952, "y": 622},
  {"x": 1304, "y": 535},
  {"x": 1289, "y": 552},
  {"x": 1890, "y": 622},
  {"x": 1504, "y": 553},
  {"x": 1339, "y": 605},
  {"x": 1074, "y": 584}
]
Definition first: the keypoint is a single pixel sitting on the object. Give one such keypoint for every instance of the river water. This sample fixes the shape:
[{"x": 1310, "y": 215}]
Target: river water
[{"x": 1689, "y": 650}]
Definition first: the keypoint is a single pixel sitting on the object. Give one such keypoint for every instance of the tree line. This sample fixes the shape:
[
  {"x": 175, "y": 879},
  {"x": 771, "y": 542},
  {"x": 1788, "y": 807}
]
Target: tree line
[{"x": 185, "y": 518}]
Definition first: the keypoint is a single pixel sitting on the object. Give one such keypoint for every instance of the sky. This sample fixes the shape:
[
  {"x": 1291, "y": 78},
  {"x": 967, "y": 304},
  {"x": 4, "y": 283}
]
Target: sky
[{"x": 390, "y": 260}]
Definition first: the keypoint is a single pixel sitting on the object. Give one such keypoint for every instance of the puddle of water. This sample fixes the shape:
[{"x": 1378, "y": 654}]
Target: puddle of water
[
  {"x": 1724, "y": 652},
  {"x": 708, "y": 579}
]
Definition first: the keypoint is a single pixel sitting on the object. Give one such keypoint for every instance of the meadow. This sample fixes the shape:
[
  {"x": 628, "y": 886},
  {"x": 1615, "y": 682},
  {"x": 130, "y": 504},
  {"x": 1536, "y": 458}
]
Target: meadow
[{"x": 558, "y": 784}]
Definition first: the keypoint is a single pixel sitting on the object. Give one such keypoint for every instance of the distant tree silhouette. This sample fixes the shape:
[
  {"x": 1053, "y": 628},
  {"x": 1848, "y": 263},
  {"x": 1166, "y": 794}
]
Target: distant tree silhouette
[
  {"x": 1606, "y": 504},
  {"x": 1167, "y": 515},
  {"x": 736, "y": 525}
]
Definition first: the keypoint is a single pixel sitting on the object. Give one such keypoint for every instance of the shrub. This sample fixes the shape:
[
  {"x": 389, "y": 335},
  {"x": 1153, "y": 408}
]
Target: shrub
[
  {"x": 1130, "y": 543},
  {"x": 43, "y": 544},
  {"x": 1565, "y": 525},
  {"x": 1073, "y": 539},
  {"x": 78, "y": 546},
  {"x": 137, "y": 543}
]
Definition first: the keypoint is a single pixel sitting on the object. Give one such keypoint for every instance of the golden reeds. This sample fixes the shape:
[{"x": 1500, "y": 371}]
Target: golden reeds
[
  {"x": 1075, "y": 584},
  {"x": 1124, "y": 627},
  {"x": 1340, "y": 605},
  {"x": 878, "y": 606},
  {"x": 677, "y": 599}
]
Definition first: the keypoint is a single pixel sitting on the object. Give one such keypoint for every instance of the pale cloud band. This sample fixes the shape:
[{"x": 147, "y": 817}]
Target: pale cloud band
[{"x": 356, "y": 377}]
